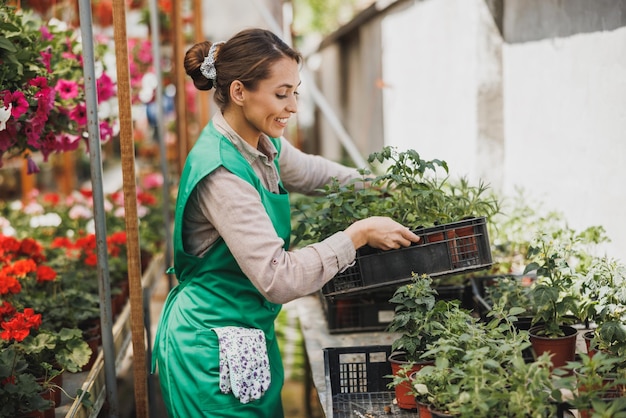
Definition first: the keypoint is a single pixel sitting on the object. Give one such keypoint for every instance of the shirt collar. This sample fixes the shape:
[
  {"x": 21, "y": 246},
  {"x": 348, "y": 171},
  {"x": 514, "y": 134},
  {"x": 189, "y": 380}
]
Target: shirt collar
[{"x": 249, "y": 152}]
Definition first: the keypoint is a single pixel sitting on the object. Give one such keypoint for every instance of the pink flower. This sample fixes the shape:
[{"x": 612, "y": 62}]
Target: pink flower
[
  {"x": 105, "y": 88},
  {"x": 8, "y": 137},
  {"x": 152, "y": 181},
  {"x": 45, "y": 101},
  {"x": 40, "y": 82},
  {"x": 79, "y": 114},
  {"x": 46, "y": 57},
  {"x": 18, "y": 100},
  {"x": 67, "y": 89},
  {"x": 106, "y": 131},
  {"x": 45, "y": 33},
  {"x": 68, "y": 142},
  {"x": 144, "y": 53}
]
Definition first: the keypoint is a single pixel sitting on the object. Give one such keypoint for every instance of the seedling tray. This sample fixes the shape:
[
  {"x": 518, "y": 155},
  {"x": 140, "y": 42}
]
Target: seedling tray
[
  {"x": 448, "y": 249},
  {"x": 358, "y": 379}
]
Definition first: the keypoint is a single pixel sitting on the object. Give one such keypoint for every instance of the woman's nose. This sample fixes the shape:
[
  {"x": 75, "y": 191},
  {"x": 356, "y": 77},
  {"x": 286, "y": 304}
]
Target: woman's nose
[{"x": 292, "y": 106}]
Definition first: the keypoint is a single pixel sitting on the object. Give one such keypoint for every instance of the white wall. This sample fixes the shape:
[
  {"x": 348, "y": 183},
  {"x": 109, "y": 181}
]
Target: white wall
[
  {"x": 429, "y": 67},
  {"x": 563, "y": 109},
  {"x": 565, "y": 127}
]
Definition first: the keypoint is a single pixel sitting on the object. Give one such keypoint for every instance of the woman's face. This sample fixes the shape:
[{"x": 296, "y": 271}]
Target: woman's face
[{"x": 267, "y": 108}]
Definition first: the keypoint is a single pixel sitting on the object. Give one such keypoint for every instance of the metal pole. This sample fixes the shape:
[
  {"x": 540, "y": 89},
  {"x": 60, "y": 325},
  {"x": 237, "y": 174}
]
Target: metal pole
[
  {"x": 159, "y": 130},
  {"x": 159, "y": 136},
  {"x": 316, "y": 94},
  {"x": 106, "y": 320}
]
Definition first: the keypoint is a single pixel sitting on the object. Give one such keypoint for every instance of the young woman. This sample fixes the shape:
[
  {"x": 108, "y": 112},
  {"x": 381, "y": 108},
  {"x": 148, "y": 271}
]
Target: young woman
[{"x": 215, "y": 347}]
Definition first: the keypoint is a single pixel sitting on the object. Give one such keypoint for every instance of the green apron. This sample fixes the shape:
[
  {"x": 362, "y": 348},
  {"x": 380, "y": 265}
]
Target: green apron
[{"x": 213, "y": 292}]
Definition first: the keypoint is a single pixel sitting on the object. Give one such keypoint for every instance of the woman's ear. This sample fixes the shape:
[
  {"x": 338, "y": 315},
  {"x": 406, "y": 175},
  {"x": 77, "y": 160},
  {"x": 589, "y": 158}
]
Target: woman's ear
[{"x": 236, "y": 92}]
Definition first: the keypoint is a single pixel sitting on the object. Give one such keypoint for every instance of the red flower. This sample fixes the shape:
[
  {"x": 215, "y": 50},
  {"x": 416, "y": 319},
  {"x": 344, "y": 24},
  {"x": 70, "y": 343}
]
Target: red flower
[
  {"x": 9, "y": 247},
  {"x": 9, "y": 380},
  {"x": 18, "y": 327},
  {"x": 146, "y": 198},
  {"x": 6, "y": 310},
  {"x": 117, "y": 238},
  {"x": 9, "y": 284},
  {"x": 45, "y": 274},
  {"x": 61, "y": 242},
  {"x": 52, "y": 198},
  {"x": 22, "y": 267},
  {"x": 31, "y": 248},
  {"x": 86, "y": 193},
  {"x": 91, "y": 259}
]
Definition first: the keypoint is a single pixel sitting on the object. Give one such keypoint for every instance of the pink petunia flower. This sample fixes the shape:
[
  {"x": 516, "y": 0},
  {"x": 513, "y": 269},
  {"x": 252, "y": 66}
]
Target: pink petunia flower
[
  {"x": 41, "y": 82},
  {"x": 46, "y": 57},
  {"x": 79, "y": 114},
  {"x": 19, "y": 102},
  {"x": 68, "y": 142},
  {"x": 106, "y": 131},
  {"x": 105, "y": 88},
  {"x": 67, "y": 89},
  {"x": 45, "y": 33}
]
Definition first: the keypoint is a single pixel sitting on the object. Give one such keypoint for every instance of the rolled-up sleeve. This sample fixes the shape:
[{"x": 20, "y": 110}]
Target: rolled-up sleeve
[
  {"x": 304, "y": 173},
  {"x": 241, "y": 220}
]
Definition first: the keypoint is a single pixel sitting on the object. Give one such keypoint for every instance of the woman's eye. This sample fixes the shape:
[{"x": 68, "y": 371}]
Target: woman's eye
[{"x": 281, "y": 96}]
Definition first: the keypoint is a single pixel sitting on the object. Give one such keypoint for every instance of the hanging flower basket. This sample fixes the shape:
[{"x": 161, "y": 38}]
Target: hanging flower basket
[{"x": 42, "y": 97}]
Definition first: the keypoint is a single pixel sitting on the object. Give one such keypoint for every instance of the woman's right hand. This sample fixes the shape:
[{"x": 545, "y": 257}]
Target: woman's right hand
[{"x": 380, "y": 232}]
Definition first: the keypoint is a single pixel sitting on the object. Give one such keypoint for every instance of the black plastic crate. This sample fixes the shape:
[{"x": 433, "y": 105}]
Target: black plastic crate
[
  {"x": 359, "y": 313},
  {"x": 479, "y": 285},
  {"x": 452, "y": 248},
  {"x": 358, "y": 378}
]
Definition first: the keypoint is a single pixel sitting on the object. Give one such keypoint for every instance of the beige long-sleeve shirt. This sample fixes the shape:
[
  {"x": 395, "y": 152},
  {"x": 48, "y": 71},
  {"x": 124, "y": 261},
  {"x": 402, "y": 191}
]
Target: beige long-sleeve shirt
[{"x": 223, "y": 205}]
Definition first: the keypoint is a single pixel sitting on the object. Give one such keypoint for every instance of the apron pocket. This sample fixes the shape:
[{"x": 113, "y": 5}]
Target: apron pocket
[{"x": 243, "y": 362}]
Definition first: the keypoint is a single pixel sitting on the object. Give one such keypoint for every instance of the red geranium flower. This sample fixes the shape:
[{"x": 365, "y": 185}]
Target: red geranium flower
[{"x": 45, "y": 274}]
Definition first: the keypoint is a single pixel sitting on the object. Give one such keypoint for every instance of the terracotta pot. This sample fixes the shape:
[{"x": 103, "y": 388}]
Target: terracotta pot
[
  {"x": 588, "y": 337},
  {"x": 422, "y": 410},
  {"x": 438, "y": 414},
  {"x": 93, "y": 342},
  {"x": 57, "y": 381},
  {"x": 47, "y": 413},
  {"x": 562, "y": 349},
  {"x": 405, "y": 398}
]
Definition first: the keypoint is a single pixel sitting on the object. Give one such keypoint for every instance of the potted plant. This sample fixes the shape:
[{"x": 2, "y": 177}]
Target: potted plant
[
  {"x": 410, "y": 192},
  {"x": 480, "y": 368},
  {"x": 20, "y": 392},
  {"x": 413, "y": 319},
  {"x": 597, "y": 384},
  {"x": 557, "y": 308},
  {"x": 603, "y": 291},
  {"x": 421, "y": 320}
]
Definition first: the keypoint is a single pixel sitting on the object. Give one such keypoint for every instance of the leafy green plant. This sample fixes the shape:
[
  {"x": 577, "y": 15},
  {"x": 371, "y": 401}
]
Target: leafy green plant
[
  {"x": 597, "y": 383},
  {"x": 560, "y": 260},
  {"x": 408, "y": 191},
  {"x": 420, "y": 318},
  {"x": 603, "y": 292},
  {"x": 19, "y": 392},
  {"x": 481, "y": 369}
]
